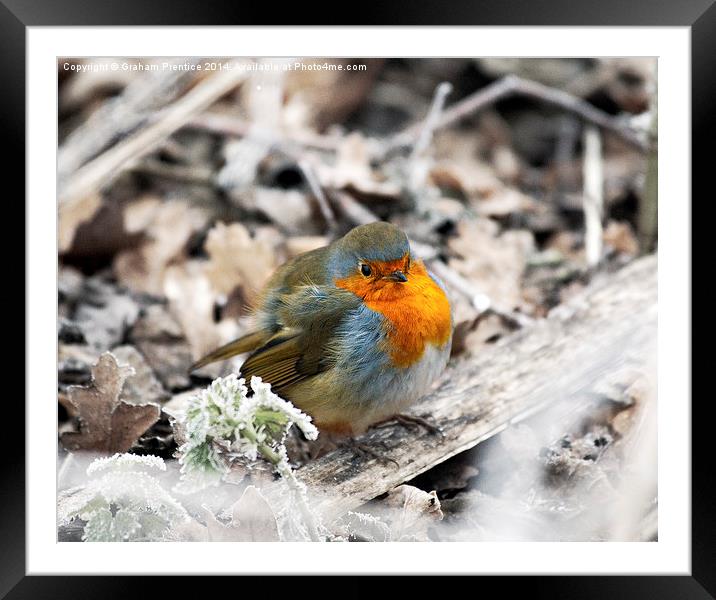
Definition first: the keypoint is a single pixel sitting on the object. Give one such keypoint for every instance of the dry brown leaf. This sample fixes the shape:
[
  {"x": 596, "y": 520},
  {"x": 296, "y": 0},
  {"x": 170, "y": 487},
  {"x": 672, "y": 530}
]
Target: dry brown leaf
[
  {"x": 238, "y": 259},
  {"x": 619, "y": 235},
  {"x": 72, "y": 214},
  {"x": 289, "y": 209},
  {"x": 503, "y": 202},
  {"x": 141, "y": 387},
  {"x": 106, "y": 422},
  {"x": 507, "y": 165},
  {"x": 191, "y": 303},
  {"x": 352, "y": 170},
  {"x": 139, "y": 214},
  {"x": 170, "y": 227},
  {"x": 473, "y": 180},
  {"x": 252, "y": 520},
  {"x": 493, "y": 263},
  {"x": 160, "y": 339},
  {"x": 304, "y": 243},
  {"x": 488, "y": 329},
  {"x": 319, "y": 98}
]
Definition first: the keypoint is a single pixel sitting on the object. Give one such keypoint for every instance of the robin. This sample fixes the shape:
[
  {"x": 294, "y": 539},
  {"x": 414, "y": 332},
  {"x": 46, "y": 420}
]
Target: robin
[{"x": 352, "y": 333}]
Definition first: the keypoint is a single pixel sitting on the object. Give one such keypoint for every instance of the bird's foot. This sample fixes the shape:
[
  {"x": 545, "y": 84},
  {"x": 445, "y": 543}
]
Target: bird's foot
[
  {"x": 367, "y": 450},
  {"x": 412, "y": 422}
]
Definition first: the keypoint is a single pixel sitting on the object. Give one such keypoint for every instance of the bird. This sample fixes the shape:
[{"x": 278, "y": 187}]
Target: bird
[{"x": 352, "y": 333}]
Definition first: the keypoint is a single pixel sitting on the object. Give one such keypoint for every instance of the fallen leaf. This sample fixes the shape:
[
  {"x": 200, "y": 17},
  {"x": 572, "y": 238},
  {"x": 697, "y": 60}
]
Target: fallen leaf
[
  {"x": 488, "y": 329},
  {"x": 304, "y": 243},
  {"x": 106, "y": 422},
  {"x": 238, "y": 259},
  {"x": 364, "y": 527},
  {"x": 473, "y": 180},
  {"x": 252, "y": 520},
  {"x": 289, "y": 209},
  {"x": 352, "y": 170},
  {"x": 503, "y": 202},
  {"x": 493, "y": 263},
  {"x": 242, "y": 158},
  {"x": 160, "y": 339},
  {"x": 171, "y": 226},
  {"x": 72, "y": 213},
  {"x": 619, "y": 235},
  {"x": 412, "y": 512},
  {"x": 191, "y": 303},
  {"x": 104, "y": 313},
  {"x": 317, "y": 98},
  {"x": 507, "y": 165},
  {"x": 141, "y": 387}
]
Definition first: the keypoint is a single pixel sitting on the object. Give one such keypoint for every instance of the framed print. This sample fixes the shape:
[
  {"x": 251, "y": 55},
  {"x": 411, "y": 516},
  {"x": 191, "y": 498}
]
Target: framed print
[{"x": 353, "y": 286}]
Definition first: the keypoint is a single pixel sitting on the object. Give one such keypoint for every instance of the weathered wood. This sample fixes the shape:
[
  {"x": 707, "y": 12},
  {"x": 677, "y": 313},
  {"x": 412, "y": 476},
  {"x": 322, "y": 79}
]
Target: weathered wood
[{"x": 582, "y": 341}]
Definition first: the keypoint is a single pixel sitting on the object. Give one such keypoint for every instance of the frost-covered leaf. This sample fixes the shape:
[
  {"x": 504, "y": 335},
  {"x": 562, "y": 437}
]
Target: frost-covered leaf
[
  {"x": 411, "y": 511},
  {"x": 252, "y": 520},
  {"x": 363, "y": 527},
  {"x": 104, "y": 313},
  {"x": 223, "y": 427},
  {"x": 106, "y": 422},
  {"x": 122, "y": 501}
]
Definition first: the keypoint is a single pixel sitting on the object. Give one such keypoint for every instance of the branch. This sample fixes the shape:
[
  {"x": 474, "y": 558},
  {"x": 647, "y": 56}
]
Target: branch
[
  {"x": 105, "y": 168},
  {"x": 611, "y": 324},
  {"x": 511, "y": 85},
  {"x": 120, "y": 116}
]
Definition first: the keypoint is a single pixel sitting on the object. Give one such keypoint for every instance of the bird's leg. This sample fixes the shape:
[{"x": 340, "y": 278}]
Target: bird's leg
[
  {"x": 412, "y": 421},
  {"x": 366, "y": 450},
  {"x": 331, "y": 440}
]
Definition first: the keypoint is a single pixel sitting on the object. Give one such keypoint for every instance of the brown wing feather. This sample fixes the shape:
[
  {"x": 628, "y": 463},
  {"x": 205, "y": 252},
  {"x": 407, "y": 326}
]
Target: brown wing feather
[
  {"x": 246, "y": 343},
  {"x": 283, "y": 361}
]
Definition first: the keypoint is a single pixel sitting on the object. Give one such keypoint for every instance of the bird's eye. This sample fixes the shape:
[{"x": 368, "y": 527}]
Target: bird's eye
[{"x": 366, "y": 270}]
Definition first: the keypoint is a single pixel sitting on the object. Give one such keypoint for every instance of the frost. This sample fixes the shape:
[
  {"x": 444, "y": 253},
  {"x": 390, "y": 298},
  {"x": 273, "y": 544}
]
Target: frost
[
  {"x": 123, "y": 501},
  {"x": 226, "y": 426}
]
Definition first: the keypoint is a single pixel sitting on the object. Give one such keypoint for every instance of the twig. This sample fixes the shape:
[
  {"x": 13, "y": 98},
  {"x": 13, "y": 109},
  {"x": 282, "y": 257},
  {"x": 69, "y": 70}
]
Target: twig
[
  {"x": 103, "y": 169},
  {"x": 66, "y": 465},
  {"x": 231, "y": 126},
  {"x": 593, "y": 195},
  {"x": 432, "y": 120},
  {"x": 312, "y": 181},
  {"x": 119, "y": 116},
  {"x": 511, "y": 85},
  {"x": 647, "y": 220},
  {"x": 187, "y": 174},
  {"x": 352, "y": 209}
]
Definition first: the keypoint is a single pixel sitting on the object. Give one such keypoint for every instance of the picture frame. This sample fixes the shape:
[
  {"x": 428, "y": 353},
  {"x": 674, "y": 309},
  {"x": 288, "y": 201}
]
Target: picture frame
[{"x": 700, "y": 16}]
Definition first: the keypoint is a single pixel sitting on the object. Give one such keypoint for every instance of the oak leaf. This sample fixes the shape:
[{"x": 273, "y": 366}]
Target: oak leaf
[{"x": 106, "y": 422}]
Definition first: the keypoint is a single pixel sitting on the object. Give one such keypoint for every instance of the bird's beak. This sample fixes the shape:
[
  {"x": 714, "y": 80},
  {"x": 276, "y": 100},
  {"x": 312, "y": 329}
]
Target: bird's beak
[{"x": 398, "y": 276}]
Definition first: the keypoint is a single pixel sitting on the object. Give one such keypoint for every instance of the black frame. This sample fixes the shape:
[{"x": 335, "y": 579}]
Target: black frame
[{"x": 699, "y": 15}]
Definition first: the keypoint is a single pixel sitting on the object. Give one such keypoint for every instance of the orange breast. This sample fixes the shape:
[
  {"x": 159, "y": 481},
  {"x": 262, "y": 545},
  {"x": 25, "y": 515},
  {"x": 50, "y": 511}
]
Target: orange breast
[{"x": 417, "y": 311}]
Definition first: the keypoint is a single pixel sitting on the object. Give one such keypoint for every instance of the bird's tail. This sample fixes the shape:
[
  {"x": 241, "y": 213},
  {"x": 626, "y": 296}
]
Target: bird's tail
[{"x": 245, "y": 343}]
